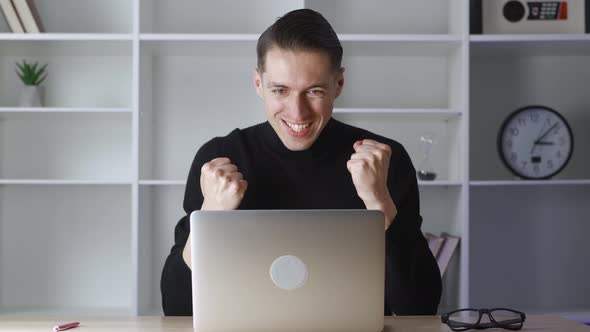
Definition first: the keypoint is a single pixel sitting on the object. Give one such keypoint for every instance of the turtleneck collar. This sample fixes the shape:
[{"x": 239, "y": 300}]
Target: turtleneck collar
[{"x": 322, "y": 145}]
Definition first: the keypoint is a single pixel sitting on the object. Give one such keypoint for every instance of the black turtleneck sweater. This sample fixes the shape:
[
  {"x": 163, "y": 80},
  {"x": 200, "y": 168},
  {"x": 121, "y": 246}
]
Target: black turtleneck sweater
[{"x": 316, "y": 178}]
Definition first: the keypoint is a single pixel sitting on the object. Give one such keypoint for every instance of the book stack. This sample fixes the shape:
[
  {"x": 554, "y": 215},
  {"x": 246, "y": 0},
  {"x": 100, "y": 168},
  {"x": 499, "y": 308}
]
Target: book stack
[
  {"x": 443, "y": 248},
  {"x": 22, "y": 16}
]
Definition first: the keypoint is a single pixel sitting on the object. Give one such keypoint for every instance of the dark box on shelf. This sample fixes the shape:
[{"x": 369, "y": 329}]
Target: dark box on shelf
[{"x": 529, "y": 16}]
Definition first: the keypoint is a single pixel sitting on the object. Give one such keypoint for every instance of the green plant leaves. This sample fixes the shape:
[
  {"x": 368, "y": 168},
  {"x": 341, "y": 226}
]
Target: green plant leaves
[{"x": 30, "y": 73}]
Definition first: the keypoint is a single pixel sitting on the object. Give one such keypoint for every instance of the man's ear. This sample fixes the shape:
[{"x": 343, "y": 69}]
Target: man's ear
[
  {"x": 340, "y": 81},
  {"x": 258, "y": 82}
]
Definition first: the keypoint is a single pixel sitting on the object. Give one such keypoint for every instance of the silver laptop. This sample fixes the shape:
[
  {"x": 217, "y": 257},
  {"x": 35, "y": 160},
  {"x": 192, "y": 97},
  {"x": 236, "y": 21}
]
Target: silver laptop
[{"x": 296, "y": 270}]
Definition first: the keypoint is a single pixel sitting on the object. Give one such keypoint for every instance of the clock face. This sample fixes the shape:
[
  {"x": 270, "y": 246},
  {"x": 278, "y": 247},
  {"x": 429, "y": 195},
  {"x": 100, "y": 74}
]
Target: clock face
[{"x": 535, "y": 142}]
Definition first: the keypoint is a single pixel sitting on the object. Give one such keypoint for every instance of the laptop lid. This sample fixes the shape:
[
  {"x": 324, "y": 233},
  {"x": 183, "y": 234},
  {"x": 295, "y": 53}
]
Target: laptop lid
[{"x": 295, "y": 270}]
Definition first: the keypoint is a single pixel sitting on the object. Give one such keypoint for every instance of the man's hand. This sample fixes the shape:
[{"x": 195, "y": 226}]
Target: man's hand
[
  {"x": 369, "y": 166},
  {"x": 223, "y": 187}
]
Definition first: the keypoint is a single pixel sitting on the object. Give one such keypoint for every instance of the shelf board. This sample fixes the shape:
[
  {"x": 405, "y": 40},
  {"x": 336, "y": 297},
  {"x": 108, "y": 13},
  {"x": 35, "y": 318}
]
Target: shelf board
[
  {"x": 63, "y": 182},
  {"x": 530, "y": 45},
  {"x": 429, "y": 38},
  {"x": 529, "y": 38},
  {"x": 524, "y": 183},
  {"x": 162, "y": 182},
  {"x": 67, "y": 36},
  {"x": 428, "y": 113},
  {"x": 64, "y": 110},
  {"x": 434, "y": 38},
  {"x": 399, "y": 45},
  {"x": 66, "y": 45},
  {"x": 197, "y": 37},
  {"x": 439, "y": 183},
  {"x": 183, "y": 182},
  {"x": 353, "y": 44}
]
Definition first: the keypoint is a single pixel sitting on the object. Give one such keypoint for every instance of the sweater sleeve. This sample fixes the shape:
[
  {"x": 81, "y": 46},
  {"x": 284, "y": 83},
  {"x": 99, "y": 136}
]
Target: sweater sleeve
[
  {"x": 412, "y": 284},
  {"x": 175, "y": 283}
]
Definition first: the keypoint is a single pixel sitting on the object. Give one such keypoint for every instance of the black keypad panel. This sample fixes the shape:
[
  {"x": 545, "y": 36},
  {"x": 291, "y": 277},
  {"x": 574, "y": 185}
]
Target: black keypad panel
[{"x": 548, "y": 10}]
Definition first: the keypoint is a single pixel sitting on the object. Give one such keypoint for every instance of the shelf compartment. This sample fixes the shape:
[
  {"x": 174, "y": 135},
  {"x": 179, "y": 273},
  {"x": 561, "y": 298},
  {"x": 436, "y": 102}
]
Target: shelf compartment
[
  {"x": 223, "y": 16},
  {"x": 385, "y": 76},
  {"x": 441, "y": 211},
  {"x": 187, "y": 100},
  {"x": 445, "y": 154},
  {"x": 529, "y": 249},
  {"x": 77, "y": 77},
  {"x": 159, "y": 211},
  {"x": 59, "y": 249},
  {"x": 84, "y": 16},
  {"x": 385, "y": 16},
  {"x": 499, "y": 86},
  {"x": 65, "y": 147}
]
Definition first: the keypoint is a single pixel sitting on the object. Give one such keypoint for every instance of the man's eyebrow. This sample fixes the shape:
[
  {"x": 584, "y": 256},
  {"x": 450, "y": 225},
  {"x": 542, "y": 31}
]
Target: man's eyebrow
[{"x": 273, "y": 84}]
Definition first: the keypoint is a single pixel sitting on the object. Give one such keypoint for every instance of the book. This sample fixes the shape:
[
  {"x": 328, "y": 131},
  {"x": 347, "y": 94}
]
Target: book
[
  {"x": 435, "y": 243},
  {"x": 27, "y": 11},
  {"x": 446, "y": 252},
  {"x": 11, "y": 16}
]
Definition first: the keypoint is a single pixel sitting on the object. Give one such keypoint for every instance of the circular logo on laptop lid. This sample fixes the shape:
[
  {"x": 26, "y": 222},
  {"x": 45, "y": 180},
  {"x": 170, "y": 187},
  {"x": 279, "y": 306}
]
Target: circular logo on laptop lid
[{"x": 288, "y": 272}]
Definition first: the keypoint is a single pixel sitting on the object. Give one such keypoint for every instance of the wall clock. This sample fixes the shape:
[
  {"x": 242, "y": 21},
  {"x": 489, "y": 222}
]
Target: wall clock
[{"x": 535, "y": 142}]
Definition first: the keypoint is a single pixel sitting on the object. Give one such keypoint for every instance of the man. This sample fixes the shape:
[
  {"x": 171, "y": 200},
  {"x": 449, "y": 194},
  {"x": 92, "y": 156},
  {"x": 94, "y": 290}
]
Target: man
[{"x": 301, "y": 158}]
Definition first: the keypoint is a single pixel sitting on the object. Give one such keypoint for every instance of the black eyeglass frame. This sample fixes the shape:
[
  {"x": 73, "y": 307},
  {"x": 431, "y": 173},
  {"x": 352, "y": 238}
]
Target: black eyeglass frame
[{"x": 505, "y": 324}]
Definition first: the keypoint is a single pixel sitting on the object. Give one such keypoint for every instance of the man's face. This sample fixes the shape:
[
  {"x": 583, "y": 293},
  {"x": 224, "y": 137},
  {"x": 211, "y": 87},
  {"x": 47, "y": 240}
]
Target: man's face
[{"x": 298, "y": 89}]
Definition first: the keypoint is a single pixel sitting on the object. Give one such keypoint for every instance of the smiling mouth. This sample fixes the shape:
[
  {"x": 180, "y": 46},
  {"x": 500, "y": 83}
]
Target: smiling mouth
[{"x": 298, "y": 128}]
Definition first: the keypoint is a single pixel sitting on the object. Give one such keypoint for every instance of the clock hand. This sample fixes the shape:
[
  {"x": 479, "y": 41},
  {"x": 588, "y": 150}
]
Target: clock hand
[
  {"x": 544, "y": 143},
  {"x": 547, "y": 132},
  {"x": 539, "y": 135}
]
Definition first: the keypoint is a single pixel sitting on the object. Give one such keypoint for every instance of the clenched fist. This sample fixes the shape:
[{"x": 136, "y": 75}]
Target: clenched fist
[
  {"x": 223, "y": 187},
  {"x": 369, "y": 167}
]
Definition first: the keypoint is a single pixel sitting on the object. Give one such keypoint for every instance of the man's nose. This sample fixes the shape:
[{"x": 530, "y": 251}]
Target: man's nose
[{"x": 298, "y": 107}]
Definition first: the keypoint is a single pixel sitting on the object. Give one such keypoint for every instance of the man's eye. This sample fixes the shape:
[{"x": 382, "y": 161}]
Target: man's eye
[
  {"x": 316, "y": 92},
  {"x": 278, "y": 91}
]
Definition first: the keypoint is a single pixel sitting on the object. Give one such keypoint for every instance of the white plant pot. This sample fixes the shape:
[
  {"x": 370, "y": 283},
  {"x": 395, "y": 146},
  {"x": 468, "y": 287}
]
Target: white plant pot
[{"x": 32, "y": 96}]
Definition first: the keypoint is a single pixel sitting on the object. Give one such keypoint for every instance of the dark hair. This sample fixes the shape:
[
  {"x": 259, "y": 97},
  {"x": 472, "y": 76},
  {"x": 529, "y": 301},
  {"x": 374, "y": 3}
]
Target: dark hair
[{"x": 301, "y": 29}]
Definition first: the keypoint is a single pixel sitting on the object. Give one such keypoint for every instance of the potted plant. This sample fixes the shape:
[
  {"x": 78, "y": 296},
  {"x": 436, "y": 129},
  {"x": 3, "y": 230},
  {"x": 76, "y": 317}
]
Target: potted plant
[{"x": 32, "y": 76}]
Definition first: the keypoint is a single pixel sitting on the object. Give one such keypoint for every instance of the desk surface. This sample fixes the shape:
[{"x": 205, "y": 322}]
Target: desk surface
[{"x": 180, "y": 324}]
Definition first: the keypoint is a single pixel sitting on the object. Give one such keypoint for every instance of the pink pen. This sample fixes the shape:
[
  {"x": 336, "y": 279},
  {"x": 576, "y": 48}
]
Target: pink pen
[{"x": 66, "y": 326}]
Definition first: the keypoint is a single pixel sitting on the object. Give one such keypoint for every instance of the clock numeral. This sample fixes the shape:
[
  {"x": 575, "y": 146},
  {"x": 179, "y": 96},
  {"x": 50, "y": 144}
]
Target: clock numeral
[
  {"x": 513, "y": 157},
  {"x": 558, "y": 154},
  {"x": 550, "y": 163},
  {"x": 562, "y": 141},
  {"x": 514, "y": 131},
  {"x": 509, "y": 143},
  {"x": 548, "y": 120},
  {"x": 535, "y": 117},
  {"x": 524, "y": 163},
  {"x": 522, "y": 121},
  {"x": 536, "y": 168}
]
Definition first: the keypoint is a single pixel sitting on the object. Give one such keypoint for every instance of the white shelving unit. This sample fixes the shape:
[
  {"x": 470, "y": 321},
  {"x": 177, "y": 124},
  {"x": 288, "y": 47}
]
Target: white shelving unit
[
  {"x": 540, "y": 266},
  {"x": 135, "y": 87}
]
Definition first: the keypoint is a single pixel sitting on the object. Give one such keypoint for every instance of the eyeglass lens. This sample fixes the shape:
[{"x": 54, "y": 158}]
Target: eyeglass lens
[{"x": 465, "y": 318}]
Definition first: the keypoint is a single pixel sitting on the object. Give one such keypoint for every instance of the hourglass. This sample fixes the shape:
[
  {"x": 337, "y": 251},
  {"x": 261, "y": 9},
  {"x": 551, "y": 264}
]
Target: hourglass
[{"x": 425, "y": 170}]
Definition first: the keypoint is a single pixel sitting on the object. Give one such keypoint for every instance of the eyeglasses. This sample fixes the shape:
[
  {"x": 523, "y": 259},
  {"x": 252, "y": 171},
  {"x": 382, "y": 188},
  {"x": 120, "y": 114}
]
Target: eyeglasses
[{"x": 467, "y": 319}]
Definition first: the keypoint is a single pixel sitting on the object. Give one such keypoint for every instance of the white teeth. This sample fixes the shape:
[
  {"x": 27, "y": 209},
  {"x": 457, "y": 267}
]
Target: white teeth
[{"x": 297, "y": 127}]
